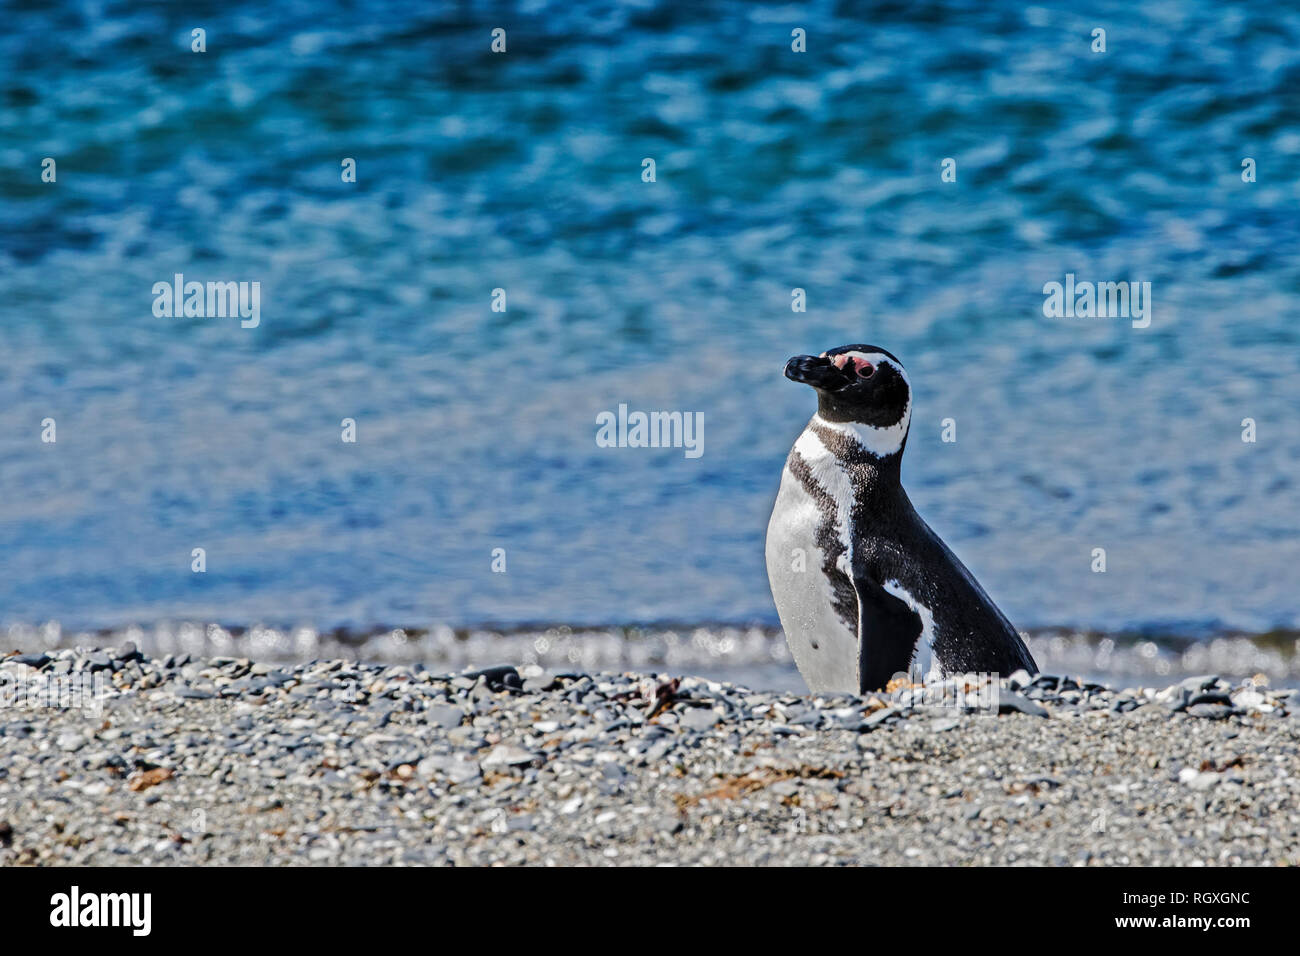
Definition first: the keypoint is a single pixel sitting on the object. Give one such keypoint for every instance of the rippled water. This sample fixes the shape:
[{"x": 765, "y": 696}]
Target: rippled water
[{"x": 775, "y": 170}]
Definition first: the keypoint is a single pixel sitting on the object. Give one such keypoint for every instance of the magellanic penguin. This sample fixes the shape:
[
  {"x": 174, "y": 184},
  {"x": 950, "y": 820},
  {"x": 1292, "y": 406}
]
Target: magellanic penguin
[{"x": 865, "y": 590}]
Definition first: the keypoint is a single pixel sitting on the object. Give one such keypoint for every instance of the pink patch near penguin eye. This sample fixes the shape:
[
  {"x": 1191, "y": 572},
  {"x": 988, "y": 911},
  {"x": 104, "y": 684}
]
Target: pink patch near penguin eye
[
  {"x": 839, "y": 361},
  {"x": 865, "y": 368}
]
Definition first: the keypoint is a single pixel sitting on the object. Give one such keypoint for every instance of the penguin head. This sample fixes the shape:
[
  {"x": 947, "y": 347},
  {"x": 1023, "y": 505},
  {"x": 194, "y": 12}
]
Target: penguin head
[{"x": 858, "y": 385}]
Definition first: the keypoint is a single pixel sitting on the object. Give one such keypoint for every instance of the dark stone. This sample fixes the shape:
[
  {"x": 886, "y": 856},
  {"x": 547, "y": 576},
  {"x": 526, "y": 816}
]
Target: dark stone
[
  {"x": 504, "y": 677},
  {"x": 37, "y": 660},
  {"x": 1042, "y": 782},
  {"x": 1009, "y": 701}
]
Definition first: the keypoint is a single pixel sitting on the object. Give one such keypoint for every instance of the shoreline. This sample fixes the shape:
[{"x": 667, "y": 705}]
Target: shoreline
[
  {"x": 756, "y": 656},
  {"x": 230, "y": 761}
]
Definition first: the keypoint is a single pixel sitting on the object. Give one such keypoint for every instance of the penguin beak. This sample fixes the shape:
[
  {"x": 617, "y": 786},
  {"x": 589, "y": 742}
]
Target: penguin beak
[{"x": 815, "y": 370}]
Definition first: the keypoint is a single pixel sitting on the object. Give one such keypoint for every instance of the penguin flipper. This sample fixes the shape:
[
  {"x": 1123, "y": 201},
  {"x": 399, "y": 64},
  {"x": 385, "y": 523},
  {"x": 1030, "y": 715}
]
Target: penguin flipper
[{"x": 887, "y": 633}]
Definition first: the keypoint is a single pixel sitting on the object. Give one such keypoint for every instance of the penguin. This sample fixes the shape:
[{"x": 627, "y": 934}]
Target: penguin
[{"x": 864, "y": 589}]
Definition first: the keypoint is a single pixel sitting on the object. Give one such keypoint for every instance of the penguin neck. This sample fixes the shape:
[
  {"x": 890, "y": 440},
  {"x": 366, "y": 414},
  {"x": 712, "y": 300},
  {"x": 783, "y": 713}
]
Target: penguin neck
[
  {"x": 883, "y": 439},
  {"x": 874, "y": 475}
]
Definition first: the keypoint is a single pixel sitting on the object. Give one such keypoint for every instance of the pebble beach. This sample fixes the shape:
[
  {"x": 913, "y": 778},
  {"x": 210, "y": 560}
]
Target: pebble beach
[{"x": 179, "y": 761}]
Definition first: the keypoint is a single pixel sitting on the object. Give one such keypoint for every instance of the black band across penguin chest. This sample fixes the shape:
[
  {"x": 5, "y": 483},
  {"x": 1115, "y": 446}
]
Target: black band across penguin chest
[
  {"x": 879, "y": 505},
  {"x": 826, "y": 536}
]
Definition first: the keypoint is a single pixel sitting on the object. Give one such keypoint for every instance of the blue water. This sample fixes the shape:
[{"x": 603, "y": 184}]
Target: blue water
[{"x": 775, "y": 170}]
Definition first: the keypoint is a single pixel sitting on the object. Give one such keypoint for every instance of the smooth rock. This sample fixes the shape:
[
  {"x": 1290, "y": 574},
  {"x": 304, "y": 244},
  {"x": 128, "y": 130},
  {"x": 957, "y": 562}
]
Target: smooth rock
[
  {"x": 70, "y": 742},
  {"x": 1211, "y": 711},
  {"x": 1009, "y": 701},
  {"x": 506, "y": 755},
  {"x": 446, "y": 716},
  {"x": 699, "y": 718}
]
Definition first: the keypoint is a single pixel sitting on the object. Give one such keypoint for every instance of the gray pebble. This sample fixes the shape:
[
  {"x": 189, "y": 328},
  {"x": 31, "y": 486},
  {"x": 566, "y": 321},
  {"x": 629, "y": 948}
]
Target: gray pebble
[
  {"x": 699, "y": 718},
  {"x": 506, "y": 755},
  {"x": 880, "y": 716},
  {"x": 1211, "y": 711},
  {"x": 445, "y": 716}
]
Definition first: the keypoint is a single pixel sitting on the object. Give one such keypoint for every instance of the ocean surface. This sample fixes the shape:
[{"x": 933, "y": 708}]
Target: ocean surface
[{"x": 522, "y": 171}]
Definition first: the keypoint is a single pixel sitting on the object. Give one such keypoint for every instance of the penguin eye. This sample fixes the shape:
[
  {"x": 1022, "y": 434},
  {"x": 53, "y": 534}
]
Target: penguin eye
[{"x": 866, "y": 370}]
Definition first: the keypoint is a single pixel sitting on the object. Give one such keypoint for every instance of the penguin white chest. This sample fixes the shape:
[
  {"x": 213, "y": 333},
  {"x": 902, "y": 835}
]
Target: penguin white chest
[{"x": 809, "y": 559}]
